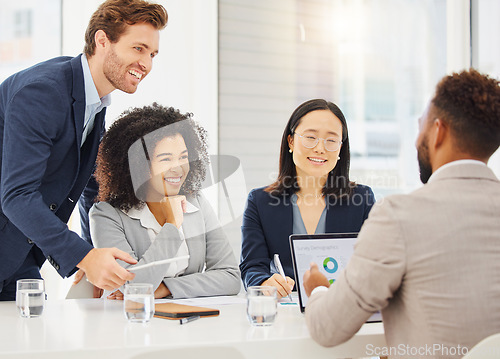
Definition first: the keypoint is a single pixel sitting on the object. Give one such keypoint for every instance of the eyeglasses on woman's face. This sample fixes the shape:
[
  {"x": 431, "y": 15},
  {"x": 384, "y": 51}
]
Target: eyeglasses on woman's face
[{"x": 310, "y": 140}]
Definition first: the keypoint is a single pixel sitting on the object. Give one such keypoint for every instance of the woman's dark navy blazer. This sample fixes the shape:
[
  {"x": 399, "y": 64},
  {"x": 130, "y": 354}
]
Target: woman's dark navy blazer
[{"x": 268, "y": 222}]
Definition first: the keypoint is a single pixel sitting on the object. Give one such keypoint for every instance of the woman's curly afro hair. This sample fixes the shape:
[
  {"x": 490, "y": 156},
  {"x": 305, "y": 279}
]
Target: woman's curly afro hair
[{"x": 113, "y": 171}]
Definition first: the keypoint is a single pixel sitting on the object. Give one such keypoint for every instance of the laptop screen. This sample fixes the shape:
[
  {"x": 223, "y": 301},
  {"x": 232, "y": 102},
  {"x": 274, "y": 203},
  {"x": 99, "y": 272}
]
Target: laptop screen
[{"x": 330, "y": 252}]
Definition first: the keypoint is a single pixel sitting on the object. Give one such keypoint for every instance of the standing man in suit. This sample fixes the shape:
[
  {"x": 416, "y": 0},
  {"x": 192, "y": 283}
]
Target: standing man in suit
[
  {"x": 429, "y": 260},
  {"x": 51, "y": 122}
]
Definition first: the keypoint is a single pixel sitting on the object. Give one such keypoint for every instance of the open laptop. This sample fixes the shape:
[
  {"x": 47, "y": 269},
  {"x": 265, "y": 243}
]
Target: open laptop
[{"x": 331, "y": 251}]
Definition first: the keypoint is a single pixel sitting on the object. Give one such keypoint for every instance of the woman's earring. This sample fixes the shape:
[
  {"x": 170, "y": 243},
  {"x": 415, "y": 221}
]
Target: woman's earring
[
  {"x": 290, "y": 150},
  {"x": 338, "y": 158}
]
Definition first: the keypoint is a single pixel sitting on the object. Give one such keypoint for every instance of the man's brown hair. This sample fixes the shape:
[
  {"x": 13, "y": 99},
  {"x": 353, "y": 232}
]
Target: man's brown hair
[
  {"x": 470, "y": 103},
  {"x": 113, "y": 17}
]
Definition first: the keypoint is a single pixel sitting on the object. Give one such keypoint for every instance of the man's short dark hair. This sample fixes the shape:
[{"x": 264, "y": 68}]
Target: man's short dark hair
[
  {"x": 113, "y": 17},
  {"x": 470, "y": 103}
]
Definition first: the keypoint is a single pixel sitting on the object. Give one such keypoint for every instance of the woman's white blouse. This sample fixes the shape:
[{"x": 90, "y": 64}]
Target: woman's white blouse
[{"x": 149, "y": 222}]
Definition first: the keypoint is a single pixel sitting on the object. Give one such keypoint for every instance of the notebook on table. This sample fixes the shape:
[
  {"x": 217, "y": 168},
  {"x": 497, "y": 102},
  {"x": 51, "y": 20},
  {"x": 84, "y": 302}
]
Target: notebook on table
[
  {"x": 176, "y": 311},
  {"x": 330, "y": 251}
]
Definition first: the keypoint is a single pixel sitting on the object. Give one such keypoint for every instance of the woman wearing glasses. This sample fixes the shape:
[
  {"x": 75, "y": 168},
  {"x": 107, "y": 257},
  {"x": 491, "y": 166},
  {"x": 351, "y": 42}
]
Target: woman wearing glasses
[{"x": 313, "y": 194}]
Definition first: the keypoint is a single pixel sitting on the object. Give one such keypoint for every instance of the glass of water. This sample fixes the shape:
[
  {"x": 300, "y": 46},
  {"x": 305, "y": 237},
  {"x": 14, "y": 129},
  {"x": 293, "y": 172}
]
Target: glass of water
[
  {"x": 30, "y": 297},
  {"x": 139, "y": 302},
  {"x": 262, "y": 302}
]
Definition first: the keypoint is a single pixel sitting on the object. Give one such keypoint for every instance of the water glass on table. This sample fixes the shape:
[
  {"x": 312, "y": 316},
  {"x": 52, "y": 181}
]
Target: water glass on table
[
  {"x": 30, "y": 297},
  {"x": 139, "y": 302},
  {"x": 262, "y": 302}
]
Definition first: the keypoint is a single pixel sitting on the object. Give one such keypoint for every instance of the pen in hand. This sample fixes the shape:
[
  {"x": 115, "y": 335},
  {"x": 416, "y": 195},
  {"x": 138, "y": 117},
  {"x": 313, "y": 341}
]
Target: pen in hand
[
  {"x": 163, "y": 261},
  {"x": 277, "y": 264}
]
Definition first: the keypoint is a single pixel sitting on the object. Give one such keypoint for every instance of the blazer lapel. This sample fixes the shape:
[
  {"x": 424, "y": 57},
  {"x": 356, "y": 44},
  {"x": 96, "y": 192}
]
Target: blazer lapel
[
  {"x": 78, "y": 94},
  {"x": 284, "y": 219},
  {"x": 88, "y": 153},
  {"x": 195, "y": 236},
  {"x": 333, "y": 221},
  {"x": 278, "y": 218}
]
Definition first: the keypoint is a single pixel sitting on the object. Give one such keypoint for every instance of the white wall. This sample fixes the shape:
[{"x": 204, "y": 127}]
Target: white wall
[
  {"x": 29, "y": 42},
  {"x": 486, "y": 49}
]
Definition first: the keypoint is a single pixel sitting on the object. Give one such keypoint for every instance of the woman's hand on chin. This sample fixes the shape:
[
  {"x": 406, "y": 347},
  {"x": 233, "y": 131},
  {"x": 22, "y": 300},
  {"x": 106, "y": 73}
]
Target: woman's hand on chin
[{"x": 173, "y": 208}]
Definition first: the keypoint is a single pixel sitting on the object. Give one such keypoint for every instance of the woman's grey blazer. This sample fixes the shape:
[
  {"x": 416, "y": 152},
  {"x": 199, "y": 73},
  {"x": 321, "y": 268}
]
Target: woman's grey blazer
[{"x": 212, "y": 268}]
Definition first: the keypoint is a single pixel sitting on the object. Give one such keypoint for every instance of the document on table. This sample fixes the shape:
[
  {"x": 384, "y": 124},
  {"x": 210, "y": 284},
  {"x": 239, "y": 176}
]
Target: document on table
[
  {"x": 223, "y": 300},
  {"x": 207, "y": 301}
]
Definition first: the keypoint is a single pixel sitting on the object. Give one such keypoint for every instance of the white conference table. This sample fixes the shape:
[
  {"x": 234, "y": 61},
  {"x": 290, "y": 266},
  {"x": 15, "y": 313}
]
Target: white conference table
[{"x": 97, "y": 328}]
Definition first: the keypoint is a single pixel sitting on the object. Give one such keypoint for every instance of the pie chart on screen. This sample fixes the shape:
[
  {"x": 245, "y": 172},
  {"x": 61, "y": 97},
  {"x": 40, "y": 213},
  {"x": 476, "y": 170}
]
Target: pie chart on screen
[{"x": 330, "y": 265}]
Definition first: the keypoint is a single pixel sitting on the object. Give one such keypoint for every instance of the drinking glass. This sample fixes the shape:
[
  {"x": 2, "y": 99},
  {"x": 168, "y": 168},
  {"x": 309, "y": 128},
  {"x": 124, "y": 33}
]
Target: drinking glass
[
  {"x": 139, "y": 302},
  {"x": 262, "y": 302},
  {"x": 30, "y": 297}
]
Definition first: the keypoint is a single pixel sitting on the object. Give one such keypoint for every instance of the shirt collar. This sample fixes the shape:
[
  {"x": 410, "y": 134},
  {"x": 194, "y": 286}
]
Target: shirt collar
[
  {"x": 454, "y": 163},
  {"x": 191, "y": 208},
  {"x": 91, "y": 94},
  {"x": 147, "y": 218}
]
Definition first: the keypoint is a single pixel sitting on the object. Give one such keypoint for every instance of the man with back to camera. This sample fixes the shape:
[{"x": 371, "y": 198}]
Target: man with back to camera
[
  {"x": 51, "y": 122},
  {"x": 428, "y": 260}
]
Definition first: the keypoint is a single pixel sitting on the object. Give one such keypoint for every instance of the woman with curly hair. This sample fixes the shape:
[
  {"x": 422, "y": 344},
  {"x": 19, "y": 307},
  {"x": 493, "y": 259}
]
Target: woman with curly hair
[{"x": 150, "y": 167}]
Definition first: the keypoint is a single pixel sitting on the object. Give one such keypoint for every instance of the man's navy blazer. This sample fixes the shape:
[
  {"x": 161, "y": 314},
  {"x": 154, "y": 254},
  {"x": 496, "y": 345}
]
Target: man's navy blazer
[
  {"x": 44, "y": 168},
  {"x": 268, "y": 223}
]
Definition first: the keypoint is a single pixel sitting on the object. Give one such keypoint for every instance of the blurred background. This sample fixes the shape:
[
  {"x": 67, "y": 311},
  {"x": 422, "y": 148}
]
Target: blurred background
[{"x": 242, "y": 67}]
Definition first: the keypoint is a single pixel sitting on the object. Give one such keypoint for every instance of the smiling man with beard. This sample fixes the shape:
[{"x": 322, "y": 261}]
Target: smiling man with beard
[
  {"x": 428, "y": 260},
  {"x": 51, "y": 123}
]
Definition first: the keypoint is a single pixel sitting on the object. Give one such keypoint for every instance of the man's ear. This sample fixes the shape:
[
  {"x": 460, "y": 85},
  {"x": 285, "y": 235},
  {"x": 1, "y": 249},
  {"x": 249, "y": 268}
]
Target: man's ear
[
  {"x": 441, "y": 131},
  {"x": 101, "y": 39}
]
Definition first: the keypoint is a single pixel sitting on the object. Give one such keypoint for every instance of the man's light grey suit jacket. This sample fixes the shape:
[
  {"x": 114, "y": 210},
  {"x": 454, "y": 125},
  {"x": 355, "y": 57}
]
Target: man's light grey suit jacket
[{"x": 429, "y": 260}]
